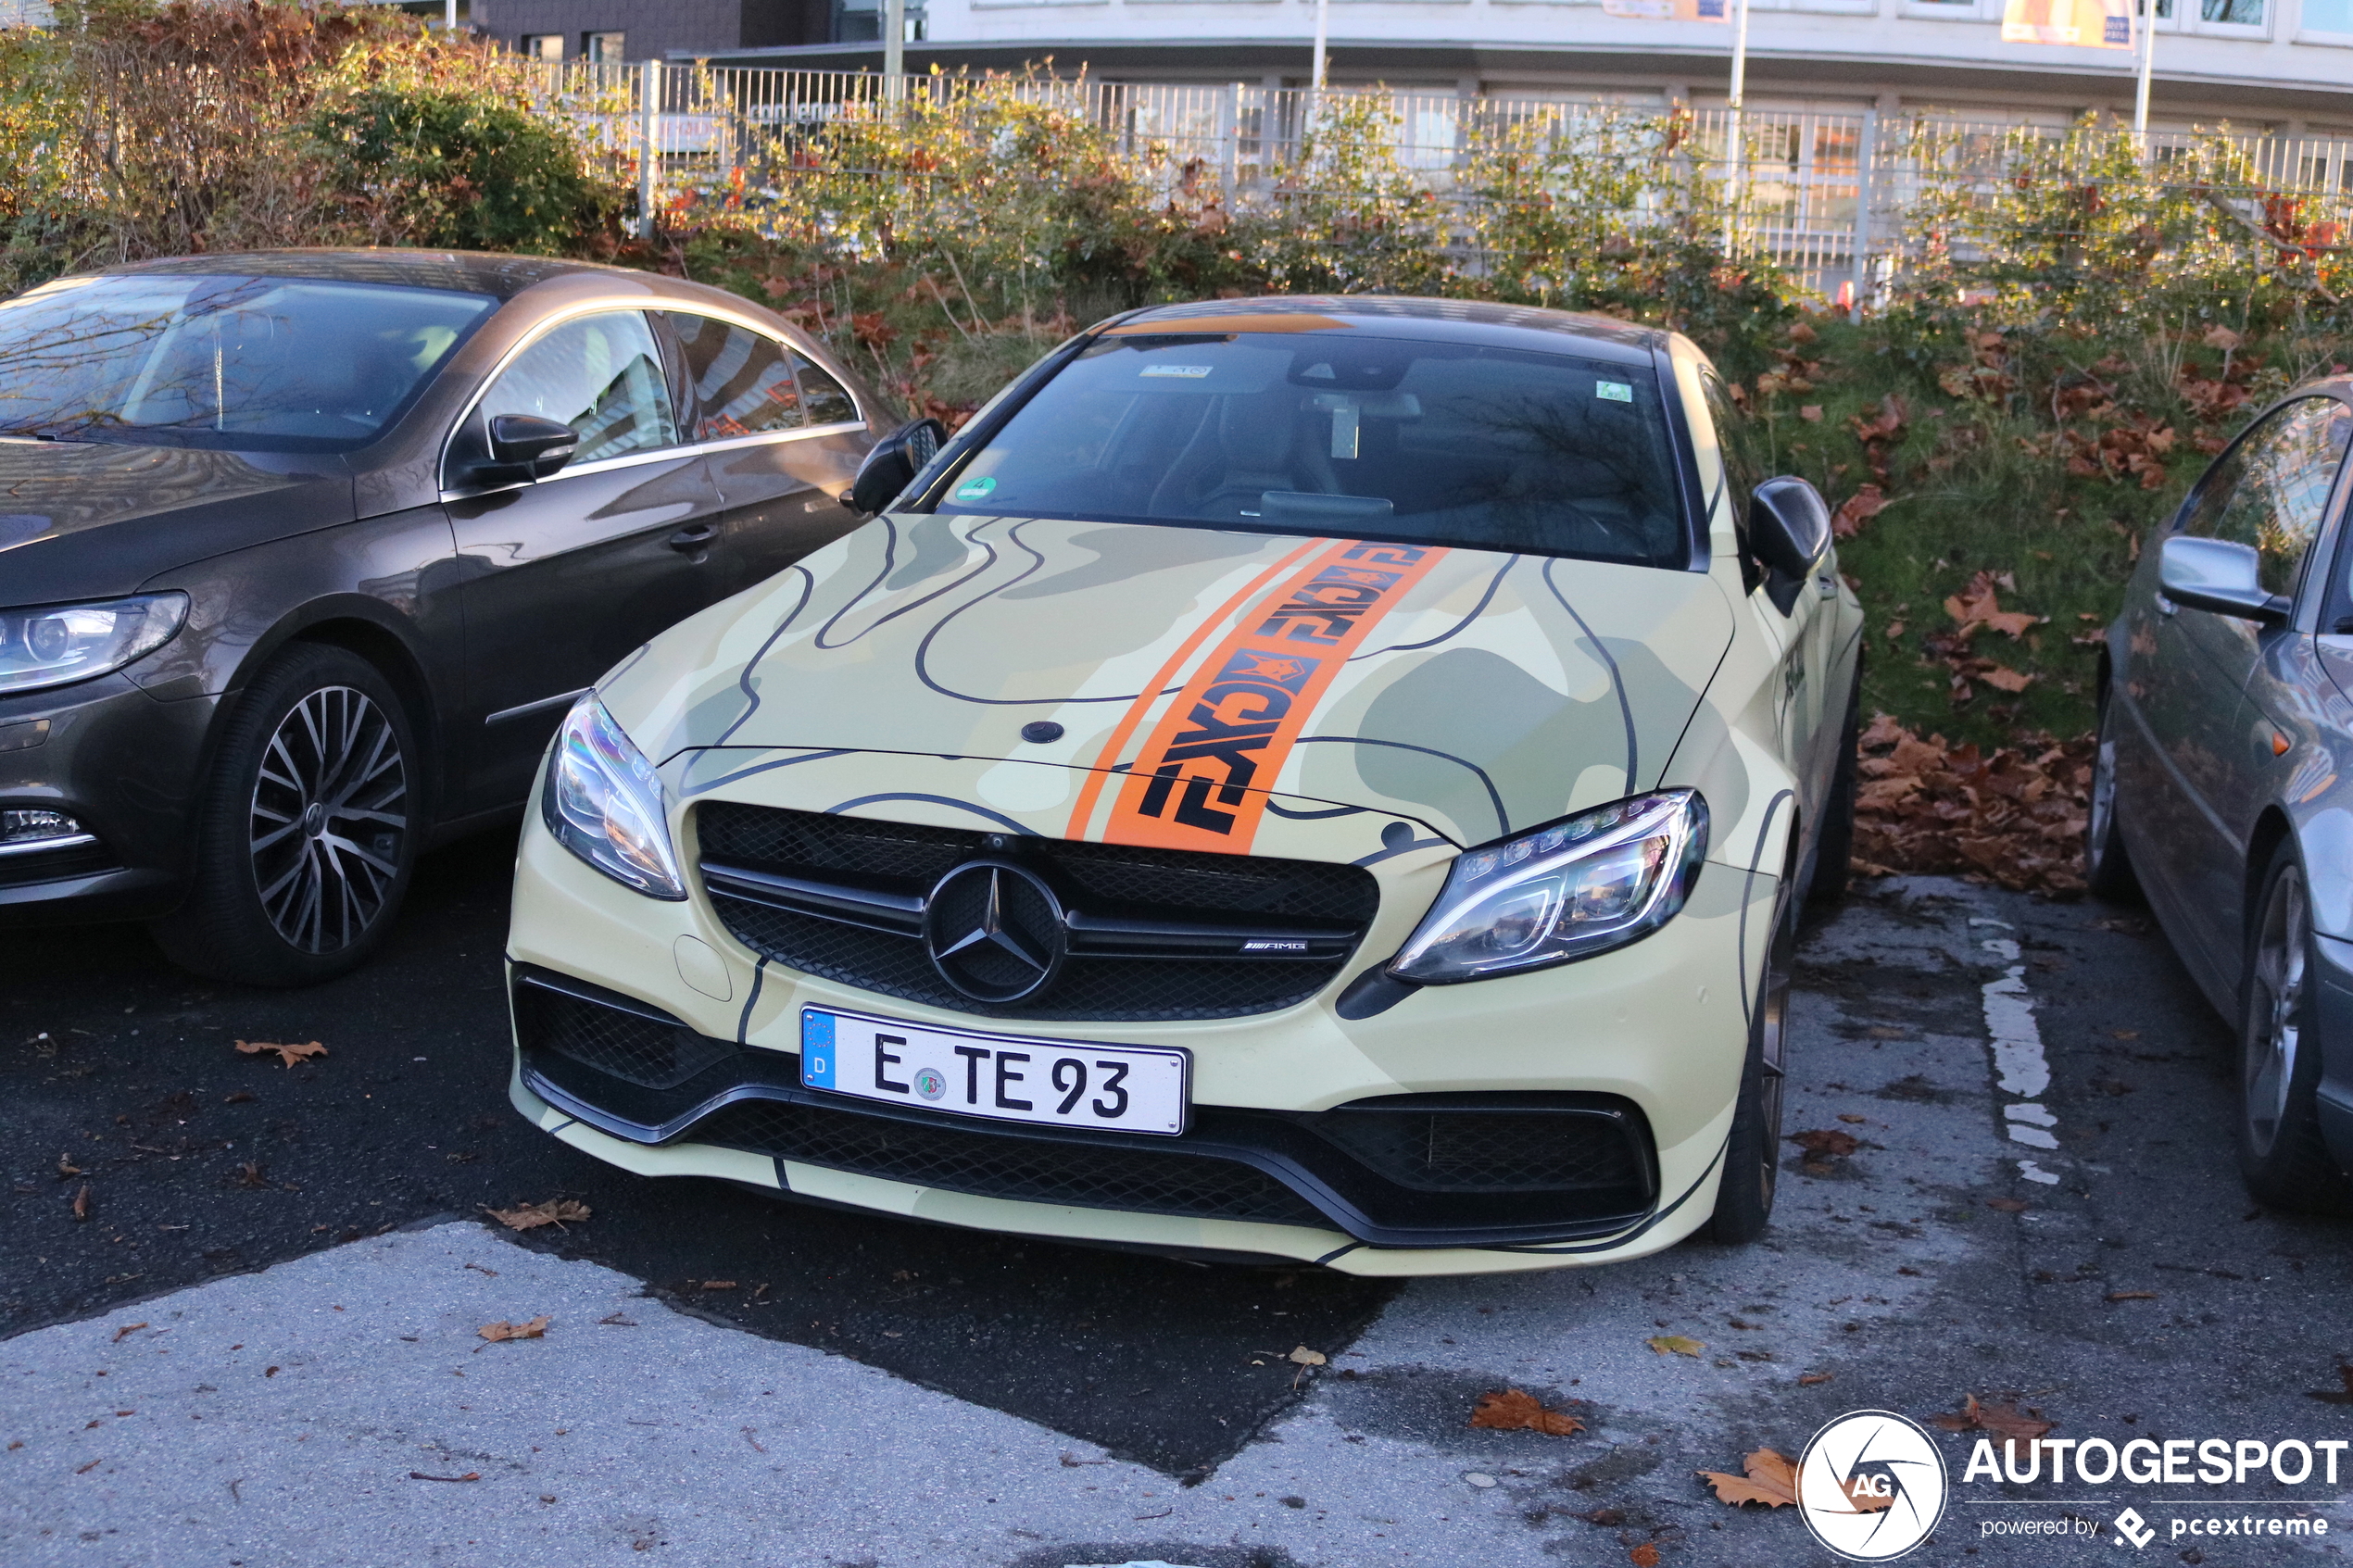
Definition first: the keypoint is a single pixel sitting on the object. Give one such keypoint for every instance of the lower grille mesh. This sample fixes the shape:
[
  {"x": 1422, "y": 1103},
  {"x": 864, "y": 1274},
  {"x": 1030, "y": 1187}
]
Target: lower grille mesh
[
  {"x": 1033, "y": 1169},
  {"x": 634, "y": 1048}
]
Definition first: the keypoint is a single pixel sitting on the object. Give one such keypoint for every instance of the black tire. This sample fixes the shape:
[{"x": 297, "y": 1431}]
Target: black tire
[
  {"x": 1752, "y": 1155},
  {"x": 2286, "y": 1161},
  {"x": 306, "y": 827},
  {"x": 1834, "y": 844},
  {"x": 2107, "y": 870}
]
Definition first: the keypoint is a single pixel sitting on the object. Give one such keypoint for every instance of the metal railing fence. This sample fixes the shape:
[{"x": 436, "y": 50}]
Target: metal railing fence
[{"x": 1830, "y": 198}]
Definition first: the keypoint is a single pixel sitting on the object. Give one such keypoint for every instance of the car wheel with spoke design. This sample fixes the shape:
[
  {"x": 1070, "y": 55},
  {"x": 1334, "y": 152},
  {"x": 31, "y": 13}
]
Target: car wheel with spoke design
[
  {"x": 307, "y": 828},
  {"x": 2282, "y": 1154}
]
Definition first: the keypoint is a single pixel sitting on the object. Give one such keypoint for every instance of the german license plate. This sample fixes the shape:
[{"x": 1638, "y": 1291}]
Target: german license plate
[{"x": 1000, "y": 1077}]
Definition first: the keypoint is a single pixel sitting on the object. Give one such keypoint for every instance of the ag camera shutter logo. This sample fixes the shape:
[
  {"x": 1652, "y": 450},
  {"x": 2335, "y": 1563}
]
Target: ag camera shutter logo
[{"x": 1871, "y": 1486}]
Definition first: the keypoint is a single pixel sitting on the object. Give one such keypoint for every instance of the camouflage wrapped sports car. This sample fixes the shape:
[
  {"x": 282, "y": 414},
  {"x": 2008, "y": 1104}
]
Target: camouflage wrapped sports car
[{"x": 1307, "y": 779}]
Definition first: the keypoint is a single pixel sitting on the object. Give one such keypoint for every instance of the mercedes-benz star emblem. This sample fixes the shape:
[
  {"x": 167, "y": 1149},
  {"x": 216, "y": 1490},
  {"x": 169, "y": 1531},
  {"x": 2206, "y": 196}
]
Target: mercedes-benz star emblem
[{"x": 995, "y": 932}]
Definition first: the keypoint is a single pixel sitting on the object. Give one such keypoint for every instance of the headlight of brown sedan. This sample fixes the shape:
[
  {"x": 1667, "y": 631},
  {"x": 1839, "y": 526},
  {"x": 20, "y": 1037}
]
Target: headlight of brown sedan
[{"x": 57, "y": 644}]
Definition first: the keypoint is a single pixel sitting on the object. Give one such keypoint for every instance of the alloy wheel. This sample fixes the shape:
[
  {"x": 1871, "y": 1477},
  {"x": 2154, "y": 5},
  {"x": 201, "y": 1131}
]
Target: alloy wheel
[
  {"x": 2275, "y": 1015},
  {"x": 328, "y": 820}
]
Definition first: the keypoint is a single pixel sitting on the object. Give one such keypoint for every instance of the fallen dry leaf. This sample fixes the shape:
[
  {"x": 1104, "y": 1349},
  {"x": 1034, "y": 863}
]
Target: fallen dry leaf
[
  {"x": 1807, "y": 1379},
  {"x": 1645, "y": 1556},
  {"x": 719, "y": 1285},
  {"x": 556, "y": 1212},
  {"x": 2003, "y": 678},
  {"x": 536, "y": 1329},
  {"x": 82, "y": 1202},
  {"x": 287, "y": 1054},
  {"x": 2332, "y": 1396},
  {"x": 1515, "y": 1411},
  {"x": 2003, "y": 1420},
  {"x": 1851, "y": 1117},
  {"x": 469, "y": 1476},
  {"x": 1979, "y": 605},
  {"x": 2014, "y": 816},
  {"x": 2131, "y": 1295},
  {"x": 1305, "y": 1356},
  {"x": 1771, "y": 1480},
  {"x": 1675, "y": 1345},
  {"x": 1828, "y": 1141},
  {"x": 66, "y": 1168},
  {"x": 126, "y": 1331},
  {"x": 2007, "y": 1205}
]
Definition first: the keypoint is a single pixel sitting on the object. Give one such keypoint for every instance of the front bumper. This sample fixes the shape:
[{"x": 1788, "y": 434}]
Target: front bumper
[
  {"x": 1657, "y": 1029},
  {"x": 126, "y": 767}
]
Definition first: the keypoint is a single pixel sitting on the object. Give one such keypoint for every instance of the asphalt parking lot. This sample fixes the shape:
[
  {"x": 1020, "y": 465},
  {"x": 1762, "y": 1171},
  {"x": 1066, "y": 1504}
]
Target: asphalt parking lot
[{"x": 805, "y": 1386}]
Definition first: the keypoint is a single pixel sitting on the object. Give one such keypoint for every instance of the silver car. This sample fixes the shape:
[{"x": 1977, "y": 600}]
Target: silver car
[{"x": 2224, "y": 784}]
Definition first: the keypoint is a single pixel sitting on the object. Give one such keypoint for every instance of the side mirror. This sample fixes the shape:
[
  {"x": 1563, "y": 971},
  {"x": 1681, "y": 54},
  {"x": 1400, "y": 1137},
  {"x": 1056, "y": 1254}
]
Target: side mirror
[
  {"x": 893, "y": 464},
  {"x": 537, "y": 445},
  {"x": 520, "y": 448},
  {"x": 2218, "y": 575},
  {"x": 1789, "y": 526}
]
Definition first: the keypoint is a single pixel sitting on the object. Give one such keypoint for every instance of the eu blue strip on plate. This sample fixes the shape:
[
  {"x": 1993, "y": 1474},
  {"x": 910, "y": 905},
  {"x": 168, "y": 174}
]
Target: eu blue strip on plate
[{"x": 817, "y": 1048}]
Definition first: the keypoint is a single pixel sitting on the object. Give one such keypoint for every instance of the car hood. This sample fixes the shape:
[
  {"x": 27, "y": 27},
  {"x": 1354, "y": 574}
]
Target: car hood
[
  {"x": 1205, "y": 677},
  {"x": 60, "y": 503}
]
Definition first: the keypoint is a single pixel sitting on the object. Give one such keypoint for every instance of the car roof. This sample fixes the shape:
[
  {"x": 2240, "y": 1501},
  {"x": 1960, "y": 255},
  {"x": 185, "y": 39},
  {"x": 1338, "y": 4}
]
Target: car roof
[
  {"x": 1432, "y": 320},
  {"x": 502, "y": 277}
]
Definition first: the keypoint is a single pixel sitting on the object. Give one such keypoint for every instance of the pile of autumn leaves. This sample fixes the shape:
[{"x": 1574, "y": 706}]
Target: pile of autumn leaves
[{"x": 2013, "y": 816}]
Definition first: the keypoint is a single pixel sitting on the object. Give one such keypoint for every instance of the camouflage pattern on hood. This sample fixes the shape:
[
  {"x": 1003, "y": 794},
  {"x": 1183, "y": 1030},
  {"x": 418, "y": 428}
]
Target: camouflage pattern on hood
[{"x": 1198, "y": 673}]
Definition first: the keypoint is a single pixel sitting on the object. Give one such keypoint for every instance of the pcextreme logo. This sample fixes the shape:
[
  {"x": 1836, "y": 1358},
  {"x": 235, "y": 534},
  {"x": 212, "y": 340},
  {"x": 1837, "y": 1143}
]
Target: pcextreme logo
[{"x": 1871, "y": 1486}]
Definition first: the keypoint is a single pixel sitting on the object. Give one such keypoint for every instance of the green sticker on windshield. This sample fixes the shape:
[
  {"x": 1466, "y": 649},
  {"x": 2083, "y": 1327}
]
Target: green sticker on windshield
[
  {"x": 1613, "y": 391},
  {"x": 975, "y": 489}
]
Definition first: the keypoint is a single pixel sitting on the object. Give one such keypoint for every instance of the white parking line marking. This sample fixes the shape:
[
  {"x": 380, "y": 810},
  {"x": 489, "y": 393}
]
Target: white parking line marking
[{"x": 2020, "y": 1066}]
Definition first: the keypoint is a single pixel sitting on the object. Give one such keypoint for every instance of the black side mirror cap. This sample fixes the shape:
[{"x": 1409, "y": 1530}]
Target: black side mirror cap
[
  {"x": 2218, "y": 575},
  {"x": 1789, "y": 529},
  {"x": 894, "y": 462},
  {"x": 538, "y": 446},
  {"x": 514, "y": 449}
]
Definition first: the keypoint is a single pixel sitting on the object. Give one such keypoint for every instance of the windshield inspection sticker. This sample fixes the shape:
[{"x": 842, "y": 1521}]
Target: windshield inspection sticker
[
  {"x": 1188, "y": 372},
  {"x": 1612, "y": 392},
  {"x": 975, "y": 489}
]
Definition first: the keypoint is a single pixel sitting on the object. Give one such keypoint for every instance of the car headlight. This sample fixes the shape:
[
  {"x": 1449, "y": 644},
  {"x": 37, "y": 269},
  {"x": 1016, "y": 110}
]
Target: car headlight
[
  {"x": 1582, "y": 885},
  {"x": 60, "y": 644},
  {"x": 604, "y": 803}
]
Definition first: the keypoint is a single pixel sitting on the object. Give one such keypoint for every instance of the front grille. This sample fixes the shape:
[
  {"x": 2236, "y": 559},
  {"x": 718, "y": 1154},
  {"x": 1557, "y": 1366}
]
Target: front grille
[
  {"x": 905, "y": 861},
  {"x": 1038, "y": 1170},
  {"x": 627, "y": 1043}
]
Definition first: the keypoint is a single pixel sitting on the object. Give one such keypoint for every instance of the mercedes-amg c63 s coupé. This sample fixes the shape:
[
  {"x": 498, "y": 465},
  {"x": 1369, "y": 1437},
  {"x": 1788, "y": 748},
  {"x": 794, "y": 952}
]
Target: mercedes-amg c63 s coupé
[{"x": 1311, "y": 779}]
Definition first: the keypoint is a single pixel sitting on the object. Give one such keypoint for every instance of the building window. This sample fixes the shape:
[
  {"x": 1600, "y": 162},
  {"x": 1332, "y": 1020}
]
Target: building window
[
  {"x": 607, "y": 48},
  {"x": 543, "y": 45},
  {"x": 2236, "y": 13}
]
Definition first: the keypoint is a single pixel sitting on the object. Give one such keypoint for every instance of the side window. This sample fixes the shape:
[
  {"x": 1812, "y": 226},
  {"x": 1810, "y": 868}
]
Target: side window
[
  {"x": 742, "y": 380},
  {"x": 2271, "y": 491},
  {"x": 1744, "y": 470},
  {"x": 600, "y": 374},
  {"x": 828, "y": 402}
]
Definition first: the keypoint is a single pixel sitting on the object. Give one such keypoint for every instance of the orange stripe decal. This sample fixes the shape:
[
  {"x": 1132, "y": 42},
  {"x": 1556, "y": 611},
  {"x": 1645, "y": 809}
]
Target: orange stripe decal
[
  {"x": 1201, "y": 780},
  {"x": 1093, "y": 786}
]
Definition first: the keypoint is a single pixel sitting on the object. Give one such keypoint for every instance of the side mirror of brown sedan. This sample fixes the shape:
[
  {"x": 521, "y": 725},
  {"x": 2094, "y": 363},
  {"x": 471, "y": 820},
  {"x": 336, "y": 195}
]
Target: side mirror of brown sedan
[
  {"x": 539, "y": 447},
  {"x": 893, "y": 464}
]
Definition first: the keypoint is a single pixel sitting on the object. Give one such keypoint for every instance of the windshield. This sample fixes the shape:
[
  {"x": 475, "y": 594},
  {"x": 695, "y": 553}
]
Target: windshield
[
  {"x": 257, "y": 364},
  {"x": 1343, "y": 434}
]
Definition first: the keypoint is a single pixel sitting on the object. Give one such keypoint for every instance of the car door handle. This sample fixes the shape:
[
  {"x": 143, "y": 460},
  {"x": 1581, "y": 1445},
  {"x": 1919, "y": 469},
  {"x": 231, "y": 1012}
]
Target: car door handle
[{"x": 694, "y": 536}]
